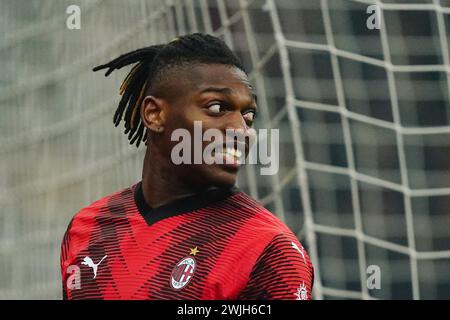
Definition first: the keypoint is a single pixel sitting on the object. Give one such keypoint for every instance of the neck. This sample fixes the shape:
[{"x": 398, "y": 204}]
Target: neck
[{"x": 160, "y": 182}]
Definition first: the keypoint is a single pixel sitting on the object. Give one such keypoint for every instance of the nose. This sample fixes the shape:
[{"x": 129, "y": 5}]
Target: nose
[
  {"x": 237, "y": 122},
  {"x": 241, "y": 133}
]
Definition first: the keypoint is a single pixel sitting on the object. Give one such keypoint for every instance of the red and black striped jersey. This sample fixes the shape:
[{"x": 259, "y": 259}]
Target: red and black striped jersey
[{"x": 216, "y": 245}]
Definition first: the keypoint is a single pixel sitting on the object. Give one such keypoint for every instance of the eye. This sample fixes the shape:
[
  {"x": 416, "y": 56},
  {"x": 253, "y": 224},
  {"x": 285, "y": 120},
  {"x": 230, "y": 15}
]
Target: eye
[
  {"x": 249, "y": 116},
  {"x": 216, "y": 108}
]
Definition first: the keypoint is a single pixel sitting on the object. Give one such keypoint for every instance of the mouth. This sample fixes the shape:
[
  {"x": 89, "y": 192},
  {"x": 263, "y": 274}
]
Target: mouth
[{"x": 230, "y": 155}]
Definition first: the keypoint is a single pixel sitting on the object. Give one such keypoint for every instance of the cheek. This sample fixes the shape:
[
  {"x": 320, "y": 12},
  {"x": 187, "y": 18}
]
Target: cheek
[
  {"x": 181, "y": 119},
  {"x": 186, "y": 115},
  {"x": 196, "y": 120}
]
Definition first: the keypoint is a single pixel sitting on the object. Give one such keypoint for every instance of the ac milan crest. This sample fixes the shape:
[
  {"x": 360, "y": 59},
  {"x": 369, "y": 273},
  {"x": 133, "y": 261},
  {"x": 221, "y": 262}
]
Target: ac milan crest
[{"x": 182, "y": 273}]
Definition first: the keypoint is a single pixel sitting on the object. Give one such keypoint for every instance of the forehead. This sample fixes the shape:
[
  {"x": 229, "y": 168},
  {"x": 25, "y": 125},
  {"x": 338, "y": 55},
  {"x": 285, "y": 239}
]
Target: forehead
[
  {"x": 187, "y": 81},
  {"x": 206, "y": 75}
]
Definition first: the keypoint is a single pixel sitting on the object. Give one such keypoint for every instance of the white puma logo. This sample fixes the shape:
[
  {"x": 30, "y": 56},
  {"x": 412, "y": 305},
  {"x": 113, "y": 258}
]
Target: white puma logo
[
  {"x": 294, "y": 245},
  {"x": 87, "y": 261}
]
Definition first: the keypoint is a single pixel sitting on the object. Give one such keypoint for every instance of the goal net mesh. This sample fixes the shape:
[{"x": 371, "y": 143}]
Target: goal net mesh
[{"x": 364, "y": 122}]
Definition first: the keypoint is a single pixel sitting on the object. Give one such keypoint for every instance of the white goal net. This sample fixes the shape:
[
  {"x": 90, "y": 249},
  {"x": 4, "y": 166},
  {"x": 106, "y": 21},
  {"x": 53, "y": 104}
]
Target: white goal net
[{"x": 364, "y": 119}]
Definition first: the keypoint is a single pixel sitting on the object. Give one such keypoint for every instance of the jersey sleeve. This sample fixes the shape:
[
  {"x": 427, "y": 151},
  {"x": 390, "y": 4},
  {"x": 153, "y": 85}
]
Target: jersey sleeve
[
  {"x": 64, "y": 257},
  {"x": 283, "y": 271}
]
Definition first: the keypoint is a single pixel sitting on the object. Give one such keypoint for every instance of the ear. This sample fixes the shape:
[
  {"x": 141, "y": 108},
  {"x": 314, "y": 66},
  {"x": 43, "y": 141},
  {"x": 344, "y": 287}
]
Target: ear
[{"x": 153, "y": 113}]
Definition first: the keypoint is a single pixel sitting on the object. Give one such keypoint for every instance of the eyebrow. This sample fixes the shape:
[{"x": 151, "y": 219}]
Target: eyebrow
[{"x": 226, "y": 91}]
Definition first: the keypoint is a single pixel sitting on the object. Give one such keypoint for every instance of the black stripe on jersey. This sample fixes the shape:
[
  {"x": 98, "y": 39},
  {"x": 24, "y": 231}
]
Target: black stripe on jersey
[
  {"x": 180, "y": 206},
  {"x": 211, "y": 231},
  {"x": 111, "y": 219},
  {"x": 276, "y": 272}
]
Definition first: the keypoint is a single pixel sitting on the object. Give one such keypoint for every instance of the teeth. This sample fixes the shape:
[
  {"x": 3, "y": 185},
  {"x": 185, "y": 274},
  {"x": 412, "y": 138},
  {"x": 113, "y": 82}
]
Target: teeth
[{"x": 233, "y": 152}]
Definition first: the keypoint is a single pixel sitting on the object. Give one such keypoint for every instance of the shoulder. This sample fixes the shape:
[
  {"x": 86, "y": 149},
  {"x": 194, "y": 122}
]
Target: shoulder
[
  {"x": 114, "y": 203},
  {"x": 265, "y": 235},
  {"x": 282, "y": 271},
  {"x": 85, "y": 222},
  {"x": 261, "y": 220},
  {"x": 275, "y": 265}
]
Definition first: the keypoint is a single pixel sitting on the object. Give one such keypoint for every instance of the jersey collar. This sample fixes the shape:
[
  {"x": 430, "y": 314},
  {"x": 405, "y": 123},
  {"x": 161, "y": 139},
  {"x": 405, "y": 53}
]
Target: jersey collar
[{"x": 179, "y": 206}]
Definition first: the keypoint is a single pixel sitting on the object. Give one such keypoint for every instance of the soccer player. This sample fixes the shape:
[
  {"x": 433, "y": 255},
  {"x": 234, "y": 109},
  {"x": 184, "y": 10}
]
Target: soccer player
[{"x": 183, "y": 231}]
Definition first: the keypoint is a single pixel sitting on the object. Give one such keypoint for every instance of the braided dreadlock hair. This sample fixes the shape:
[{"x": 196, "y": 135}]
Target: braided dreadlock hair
[{"x": 151, "y": 63}]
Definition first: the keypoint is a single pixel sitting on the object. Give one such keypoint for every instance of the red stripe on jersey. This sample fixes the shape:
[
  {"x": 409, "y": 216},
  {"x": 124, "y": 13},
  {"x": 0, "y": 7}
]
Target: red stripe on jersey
[{"x": 238, "y": 242}]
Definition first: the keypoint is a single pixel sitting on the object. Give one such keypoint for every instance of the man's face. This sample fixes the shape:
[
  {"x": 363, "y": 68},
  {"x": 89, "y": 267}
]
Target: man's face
[{"x": 220, "y": 97}]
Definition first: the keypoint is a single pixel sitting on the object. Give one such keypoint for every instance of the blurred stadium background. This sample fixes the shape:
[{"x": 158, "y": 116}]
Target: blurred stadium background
[{"x": 363, "y": 114}]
